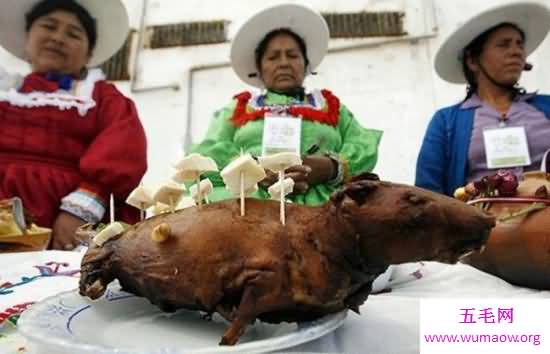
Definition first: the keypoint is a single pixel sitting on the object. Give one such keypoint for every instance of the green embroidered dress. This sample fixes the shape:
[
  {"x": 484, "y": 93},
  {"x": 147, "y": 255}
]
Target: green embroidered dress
[{"x": 325, "y": 123}]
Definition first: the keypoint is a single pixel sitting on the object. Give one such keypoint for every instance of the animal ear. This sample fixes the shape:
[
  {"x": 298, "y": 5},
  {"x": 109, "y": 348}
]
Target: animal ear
[
  {"x": 360, "y": 191},
  {"x": 367, "y": 176},
  {"x": 357, "y": 189}
]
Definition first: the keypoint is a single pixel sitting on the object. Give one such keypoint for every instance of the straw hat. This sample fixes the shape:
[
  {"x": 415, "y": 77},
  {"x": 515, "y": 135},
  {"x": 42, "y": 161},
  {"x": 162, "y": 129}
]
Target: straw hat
[
  {"x": 111, "y": 18},
  {"x": 305, "y": 22},
  {"x": 532, "y": 18}
]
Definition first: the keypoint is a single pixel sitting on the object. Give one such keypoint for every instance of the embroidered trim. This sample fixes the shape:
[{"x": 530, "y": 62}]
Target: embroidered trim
[
  {"x": 46, "y": 270},
  {"x": 85, "y": 205},
  {"x": 315, "y": 100},
  {"x": 82, "y": 99},
  {"x": 340, "y": 169},
  {"x": 322, "y": 107},
  {"x": 11, "y": 314},
  {"x": 345, "y": 169}
]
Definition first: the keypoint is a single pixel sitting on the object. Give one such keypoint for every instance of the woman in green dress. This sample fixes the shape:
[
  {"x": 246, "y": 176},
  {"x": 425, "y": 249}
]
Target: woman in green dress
[{"x": 275, "y": 50}]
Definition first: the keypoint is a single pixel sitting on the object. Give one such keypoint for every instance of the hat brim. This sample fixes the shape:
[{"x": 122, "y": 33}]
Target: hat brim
[
  {"x": 303, "y": 21},
  {"x": 532, "y": 18},
  {"x": 111, "y": 18}
]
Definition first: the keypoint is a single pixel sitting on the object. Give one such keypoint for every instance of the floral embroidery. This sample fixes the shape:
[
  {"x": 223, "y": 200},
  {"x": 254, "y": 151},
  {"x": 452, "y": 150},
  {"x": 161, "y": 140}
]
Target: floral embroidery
[
  {"x": 12, "y": 314},
  {"x": 417, "y": 274},
  {"x": 45, "y": 271},
  {"x": 324, "y": 110}
]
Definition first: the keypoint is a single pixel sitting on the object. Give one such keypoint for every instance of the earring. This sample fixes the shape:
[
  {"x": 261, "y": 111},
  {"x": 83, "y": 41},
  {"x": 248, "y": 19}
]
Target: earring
[{"x": 83, "y": 73}]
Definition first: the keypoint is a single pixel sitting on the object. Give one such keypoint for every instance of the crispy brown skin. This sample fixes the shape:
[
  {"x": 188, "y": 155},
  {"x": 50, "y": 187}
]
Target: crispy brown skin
[
  {"x": 518, "y": 249},
  {"x": 323, "y": 261}
]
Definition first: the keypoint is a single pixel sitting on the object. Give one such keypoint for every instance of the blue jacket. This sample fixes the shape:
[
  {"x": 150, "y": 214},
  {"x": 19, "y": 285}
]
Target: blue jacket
[{"x": 443, "y": 159}]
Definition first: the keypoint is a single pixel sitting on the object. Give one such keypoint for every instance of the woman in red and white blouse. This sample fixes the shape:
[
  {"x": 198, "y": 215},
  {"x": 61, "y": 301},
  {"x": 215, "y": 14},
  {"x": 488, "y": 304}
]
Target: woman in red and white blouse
[{"x": 69, "y": 138}]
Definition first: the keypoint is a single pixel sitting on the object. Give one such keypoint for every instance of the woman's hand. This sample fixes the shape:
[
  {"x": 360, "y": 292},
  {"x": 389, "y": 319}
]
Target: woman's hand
[
  {"x": 316, "y": 169},
  {"x": 323, "y": 168},
  {"x": 299, "y": 174},
  {"x": 63, "y": 233}
]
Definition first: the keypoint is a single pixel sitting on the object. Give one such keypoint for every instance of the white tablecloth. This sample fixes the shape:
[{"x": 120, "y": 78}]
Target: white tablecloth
[
  {"x": 388, "y": 324},
  {"x": 31, "y": 277}
]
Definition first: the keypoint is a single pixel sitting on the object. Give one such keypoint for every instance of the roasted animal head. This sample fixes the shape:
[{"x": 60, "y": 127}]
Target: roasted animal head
[{"x": 400, "y": 223}]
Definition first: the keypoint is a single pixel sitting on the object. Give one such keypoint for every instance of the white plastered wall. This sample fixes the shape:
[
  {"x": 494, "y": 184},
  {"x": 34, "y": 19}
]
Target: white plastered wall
[{"x": 388, "y": 83}]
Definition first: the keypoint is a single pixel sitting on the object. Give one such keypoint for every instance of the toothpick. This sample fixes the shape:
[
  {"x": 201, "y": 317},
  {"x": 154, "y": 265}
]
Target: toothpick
[
  {"x": 199, "y": 193},
  {"x": 281, "y": 179},
  {"x": 242, "y": 188},
  {"x": 112, "y": 208},
  {"x": 524, "y": 211},
  {"x": 141, "y": 206},
  {"x": 242, "y": 193},
  {"x": 142, "y": 211}
]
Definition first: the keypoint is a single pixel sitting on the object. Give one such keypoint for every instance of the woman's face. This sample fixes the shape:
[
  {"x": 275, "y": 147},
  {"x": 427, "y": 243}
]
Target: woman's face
[
  {"x": 57, "y": 42},
  {"x": 503, "y": 57},
  {"x": 282, "y": 66}
]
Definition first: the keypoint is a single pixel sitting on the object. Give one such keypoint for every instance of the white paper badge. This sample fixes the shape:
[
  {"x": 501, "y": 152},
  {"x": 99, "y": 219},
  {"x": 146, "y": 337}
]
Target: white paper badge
[
  {"x": 281, "y": 134},
  {"x": 506, "y": 147}
]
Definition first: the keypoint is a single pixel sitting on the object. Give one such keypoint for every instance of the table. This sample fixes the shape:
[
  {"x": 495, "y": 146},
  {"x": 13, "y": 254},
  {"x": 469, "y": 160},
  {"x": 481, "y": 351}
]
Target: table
[{"x": 389, "y": 323}]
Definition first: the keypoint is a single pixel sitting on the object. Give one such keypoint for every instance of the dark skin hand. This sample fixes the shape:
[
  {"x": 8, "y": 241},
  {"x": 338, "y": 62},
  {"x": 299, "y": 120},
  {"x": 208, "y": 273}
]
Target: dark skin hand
[
  {"x": 63, "y": 233},
  {"x": 315, "y": 169}
]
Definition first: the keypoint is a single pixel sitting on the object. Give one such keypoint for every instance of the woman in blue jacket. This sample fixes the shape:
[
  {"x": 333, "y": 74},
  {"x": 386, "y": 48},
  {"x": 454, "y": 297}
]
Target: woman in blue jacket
[{"x": 498, "y": 125}]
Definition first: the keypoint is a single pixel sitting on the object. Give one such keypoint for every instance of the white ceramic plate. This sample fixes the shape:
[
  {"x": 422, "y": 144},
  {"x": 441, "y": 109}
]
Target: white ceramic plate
[
  {"x": 382, "y": 282},
  {"x": 122, "y": 323}
]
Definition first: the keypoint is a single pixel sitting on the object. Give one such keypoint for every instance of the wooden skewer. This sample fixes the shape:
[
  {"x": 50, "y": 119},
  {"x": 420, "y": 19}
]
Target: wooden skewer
[
  {"x": 199, "y": 193},
  {"x": 243, "y": 211},
  {"x": 242, "y": 193},
  {"x": 524, "y": 211},
  {"x": 142, "y": 211},
  {"x": 281, "y": 179},
  {"x": 112, "y": 208}
]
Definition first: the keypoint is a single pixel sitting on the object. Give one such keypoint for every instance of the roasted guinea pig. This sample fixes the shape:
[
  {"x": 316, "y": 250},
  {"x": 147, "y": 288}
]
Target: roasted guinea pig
[
  {"x": 322, "y": 261},
  {"x": 518, "y": 247}
]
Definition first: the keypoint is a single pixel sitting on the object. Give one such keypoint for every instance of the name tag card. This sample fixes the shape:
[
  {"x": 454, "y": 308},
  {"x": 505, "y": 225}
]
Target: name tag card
[
  {"x": 506, "y": 147},
  {"x": 281, "y": 134}
]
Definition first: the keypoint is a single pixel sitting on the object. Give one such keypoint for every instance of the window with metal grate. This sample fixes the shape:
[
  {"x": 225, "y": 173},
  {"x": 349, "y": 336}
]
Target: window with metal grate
[
  {"x": 365, "y": 24},
  {"x": 187, "y": 34},
  {"x": 118, "y": 67}
]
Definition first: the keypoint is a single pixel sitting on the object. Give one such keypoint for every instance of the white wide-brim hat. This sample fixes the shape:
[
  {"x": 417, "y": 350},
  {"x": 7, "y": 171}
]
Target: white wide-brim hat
[
  {"x": 532, "y": 18},
  {"x": 111, "y": 23},
  {"x": 305, "y": 22}
]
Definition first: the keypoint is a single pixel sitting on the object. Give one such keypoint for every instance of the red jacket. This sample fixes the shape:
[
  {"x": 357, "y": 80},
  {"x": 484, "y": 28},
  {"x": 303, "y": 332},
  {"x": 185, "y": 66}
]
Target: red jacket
[{"x": 47, "y": 153}]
